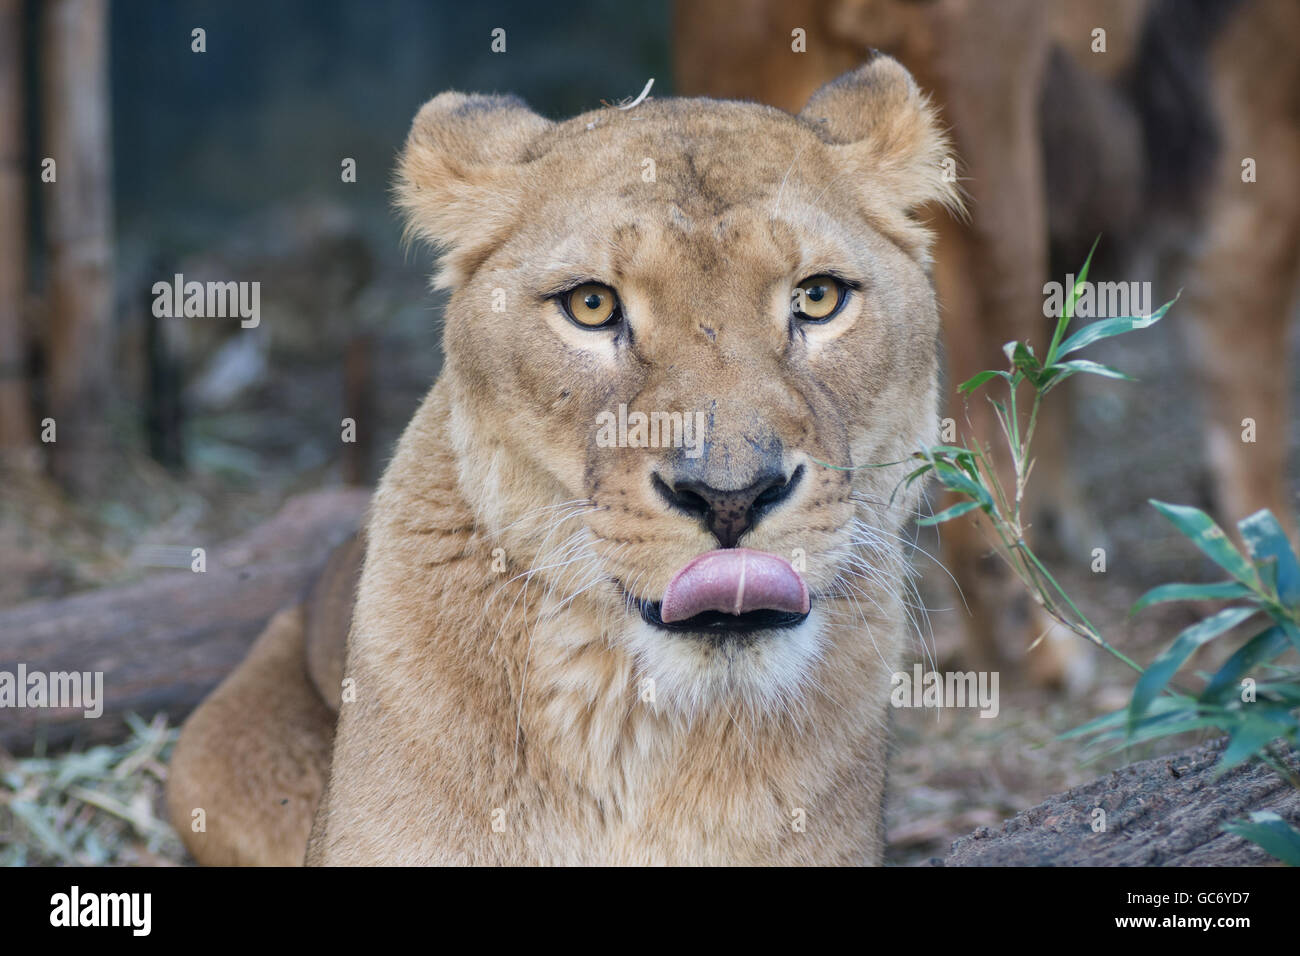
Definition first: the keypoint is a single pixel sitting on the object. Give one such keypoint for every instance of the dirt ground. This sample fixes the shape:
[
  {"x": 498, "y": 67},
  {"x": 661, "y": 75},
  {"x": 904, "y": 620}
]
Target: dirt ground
[{"x": 278, "y": 434}]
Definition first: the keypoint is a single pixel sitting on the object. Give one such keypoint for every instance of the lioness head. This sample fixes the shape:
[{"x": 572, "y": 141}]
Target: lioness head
[{"x": 666, "y": 322}]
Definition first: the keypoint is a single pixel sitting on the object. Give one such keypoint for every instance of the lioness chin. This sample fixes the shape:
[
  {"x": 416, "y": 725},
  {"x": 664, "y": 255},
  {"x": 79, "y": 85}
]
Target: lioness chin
[{"x": 614, "y": 607}]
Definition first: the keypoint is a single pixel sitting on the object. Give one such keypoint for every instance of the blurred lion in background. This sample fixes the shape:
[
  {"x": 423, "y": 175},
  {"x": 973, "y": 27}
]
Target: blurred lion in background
[{"x": 1171, "y": 129}]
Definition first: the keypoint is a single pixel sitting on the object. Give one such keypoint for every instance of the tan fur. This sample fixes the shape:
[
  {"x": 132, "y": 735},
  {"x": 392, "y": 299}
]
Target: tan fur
[
  {"x": 251, "y": 762},
  {"x": 500, "y": 675},
  {"x": 984, "y": 62},
  {"x": 327, "y": 616},
  {"x": 255, "y": 754}
]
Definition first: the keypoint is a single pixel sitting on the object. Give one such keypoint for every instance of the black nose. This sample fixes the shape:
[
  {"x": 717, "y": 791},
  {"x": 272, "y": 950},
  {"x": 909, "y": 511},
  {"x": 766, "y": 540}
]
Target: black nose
[{"x": 729, "y": 514}]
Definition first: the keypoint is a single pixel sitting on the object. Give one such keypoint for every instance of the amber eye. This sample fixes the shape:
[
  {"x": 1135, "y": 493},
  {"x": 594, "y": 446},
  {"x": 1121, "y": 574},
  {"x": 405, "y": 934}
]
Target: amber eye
[
  {"x": 591, "y": 305},
  {"x": 818, "y": 298}
]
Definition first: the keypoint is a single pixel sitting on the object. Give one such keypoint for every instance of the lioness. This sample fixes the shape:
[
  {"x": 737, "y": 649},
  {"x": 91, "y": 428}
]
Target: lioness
[{"x": 572, "y": 650}]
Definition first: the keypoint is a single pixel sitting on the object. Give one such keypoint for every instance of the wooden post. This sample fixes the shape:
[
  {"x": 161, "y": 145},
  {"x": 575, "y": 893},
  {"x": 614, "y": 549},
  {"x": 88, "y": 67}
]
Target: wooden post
[
  {"x": 78, "y": 223},
  {"x": 17, "y": 435}
]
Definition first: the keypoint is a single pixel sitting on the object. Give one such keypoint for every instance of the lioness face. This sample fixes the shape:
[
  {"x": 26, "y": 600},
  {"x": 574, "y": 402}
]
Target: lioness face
[{"x": 667, "y": 324}]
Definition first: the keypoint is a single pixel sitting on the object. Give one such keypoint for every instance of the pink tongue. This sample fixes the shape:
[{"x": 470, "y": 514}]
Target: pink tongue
[{"x": 733, "y": 581}]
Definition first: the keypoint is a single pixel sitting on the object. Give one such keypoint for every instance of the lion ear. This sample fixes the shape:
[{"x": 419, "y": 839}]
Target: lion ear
[
  {"x": 458, "y": 179},
  {"x": 886, "y": 132}
]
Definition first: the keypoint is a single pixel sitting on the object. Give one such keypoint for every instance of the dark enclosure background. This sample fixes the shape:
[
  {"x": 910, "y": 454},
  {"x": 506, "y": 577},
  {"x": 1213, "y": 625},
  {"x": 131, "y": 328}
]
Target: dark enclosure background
[
  {"x": 226, "y": 166},
  {"x": 288, "y": 88}
]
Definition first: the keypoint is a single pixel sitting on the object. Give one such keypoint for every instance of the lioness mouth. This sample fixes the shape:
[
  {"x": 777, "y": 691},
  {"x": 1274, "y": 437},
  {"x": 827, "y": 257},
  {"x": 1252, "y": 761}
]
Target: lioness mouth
[
  {"x": 716, "y": 622},
  {"x": 731, "y": 590}
]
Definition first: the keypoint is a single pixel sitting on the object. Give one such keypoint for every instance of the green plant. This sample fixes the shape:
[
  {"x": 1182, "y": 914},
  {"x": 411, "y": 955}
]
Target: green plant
[
  {"x": 971, "y": 473},
  {"x": 1263, "y": 585}
]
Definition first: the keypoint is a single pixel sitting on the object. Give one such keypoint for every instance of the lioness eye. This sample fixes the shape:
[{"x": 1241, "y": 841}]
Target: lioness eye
[
  {"x": 591, "y": 305},
  {"x": 818, "y": 298}
]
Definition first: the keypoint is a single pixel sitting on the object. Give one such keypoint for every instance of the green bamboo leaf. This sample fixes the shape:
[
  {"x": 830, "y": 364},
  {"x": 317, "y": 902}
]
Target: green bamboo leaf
[
  {"x": 1161, "y": 708},
  {"x": 954, "y": 479},
  {"x": 1210, "y": 538},
  {"x": 1222, "y": 591},
  {"x": 1160, "y": 730},
  {"x": 917, "y": 474},
  {"x": 1283, "y": 693},
  {"x": 959, "y": 455},
  {"x": 1266, "y": 541},
  {"x": 1080, "y": 281},
  {"x": 1262, "y": 647},
  {"x": 1270, "y": 833},
  {"x": 1010, "y": 425},
  {"x": 1105, "y": 328},
  {"x": 1163, "y": 668},
  {"x": 1252, "y": 734},
  {"x": 1022, "y": 357},
  {"x": 956, "y": 511},
  {"x": 1095, "y": 368},
  {"x": 976, "y": 381},
  {"x": 1291, "y": 627},
  {"x": 1149, "y": 729},
  {"x": 908, "y": 480},
  {"x": 1061, "y": 371},
  {"x": 967, "y": 464},
  {"x": 1053, "y": 350},
  {"x": 882, "y": 464}
]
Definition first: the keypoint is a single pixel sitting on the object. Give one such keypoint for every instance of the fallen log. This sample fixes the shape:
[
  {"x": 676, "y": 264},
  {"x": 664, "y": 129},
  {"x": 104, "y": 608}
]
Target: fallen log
[
  {"x": 1168, "y": 811},
  {"x": 163, "y": 643}
]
